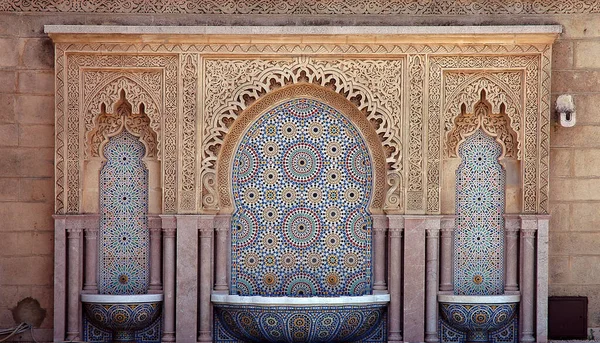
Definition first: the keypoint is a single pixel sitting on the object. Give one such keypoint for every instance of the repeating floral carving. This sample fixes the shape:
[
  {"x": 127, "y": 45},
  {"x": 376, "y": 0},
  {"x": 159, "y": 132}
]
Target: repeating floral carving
[
  {"x": 123, "y": 117},
  {"x": 416, "y": 76},
  {"x": 496, "y": 124},
  {"x": 374, "y": 86},
  {"x": 76, "y": 65},
  {"x": 59, "y": 128},
  {"x": 189, "y": 76},
  {"x": 403, "y": 7}
]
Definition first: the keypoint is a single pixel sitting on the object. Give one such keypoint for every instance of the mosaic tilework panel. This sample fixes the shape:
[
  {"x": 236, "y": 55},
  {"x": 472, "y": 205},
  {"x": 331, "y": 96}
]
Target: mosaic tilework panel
[
  {"x": 479, "y": 235},
  {"x": 94, "y": 334},
  {"x": 507, "y": 334},
  {"x": 124, "y": 236},
  {"x": 301, "y": 183},
  {"x": 352, "y": 324}
]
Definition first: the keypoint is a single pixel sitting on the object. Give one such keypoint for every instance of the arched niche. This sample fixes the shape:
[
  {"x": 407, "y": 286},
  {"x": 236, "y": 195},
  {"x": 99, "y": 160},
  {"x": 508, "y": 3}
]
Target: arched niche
[
  {"x": 109, "y": 123},
  {"x": 336, "y": 101},
  {"x": 497, "y": 125}
]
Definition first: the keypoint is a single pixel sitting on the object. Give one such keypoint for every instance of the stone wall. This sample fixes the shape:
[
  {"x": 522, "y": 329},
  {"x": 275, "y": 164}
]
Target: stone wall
[{"x": 26, "y": 143}]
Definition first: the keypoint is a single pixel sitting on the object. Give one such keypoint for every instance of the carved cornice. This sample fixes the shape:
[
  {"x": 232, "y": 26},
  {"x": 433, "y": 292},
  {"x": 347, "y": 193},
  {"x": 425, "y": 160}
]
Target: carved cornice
[{"x": 308, "y": 7}]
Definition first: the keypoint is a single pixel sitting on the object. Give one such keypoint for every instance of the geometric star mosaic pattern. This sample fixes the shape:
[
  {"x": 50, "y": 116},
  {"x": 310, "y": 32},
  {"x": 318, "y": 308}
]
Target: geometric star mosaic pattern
[
  {"x": 479, "y": 234},
  {"x": 124, "y": 236},
  {"x": 302, "y": 181}
]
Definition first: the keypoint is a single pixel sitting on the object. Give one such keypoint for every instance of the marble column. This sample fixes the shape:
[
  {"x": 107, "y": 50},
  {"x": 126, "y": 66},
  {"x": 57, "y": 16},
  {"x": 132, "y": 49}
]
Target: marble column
[
  {"x": 91, "y": 227},
  {"x": 379, "y": 232},
  {"x": 206, "y": 227},
  {"x": 169, "y": 226},
  {"x": 542, "y": 279},
  {"x": 396, "y": 225},
  {"x": 186, "y": 325},
  {"x": 222, "y": 251},
  {"x": 74, "y": 277},
  {"x": 446, "y": 258},
  {"x": 155, "y": 227},
  {"x": 512, "y": 225},
  {"x": 528, "y": 231},
  {"x": 431, "y": 279},
  {"x": 60, "y": 276},
  {"x": 414, "y": 278}
]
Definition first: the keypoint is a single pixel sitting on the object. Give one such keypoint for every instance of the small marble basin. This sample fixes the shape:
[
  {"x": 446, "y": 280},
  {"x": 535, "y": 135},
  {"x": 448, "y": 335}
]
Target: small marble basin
[
  {"x": 289, "y": 319},
  {"x": 122, "y": 314},
  {"x": 478, "y": 315}
]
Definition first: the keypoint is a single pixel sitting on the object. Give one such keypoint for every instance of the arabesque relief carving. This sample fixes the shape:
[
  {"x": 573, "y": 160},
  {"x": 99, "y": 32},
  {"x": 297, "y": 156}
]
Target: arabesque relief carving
[
  {"x": 309, "y": 7},
  {"x": 496, "y": 124},
  {"x": 418, "y": 98},
  {"x": 109, "y": 124}
]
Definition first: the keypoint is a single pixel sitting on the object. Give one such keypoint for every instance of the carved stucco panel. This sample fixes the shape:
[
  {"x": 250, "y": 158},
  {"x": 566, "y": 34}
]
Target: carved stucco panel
[
  {"x": 75, "y": 65},
  {"x": 440, "y": 68},
  {"x": 373, "y": 86}
]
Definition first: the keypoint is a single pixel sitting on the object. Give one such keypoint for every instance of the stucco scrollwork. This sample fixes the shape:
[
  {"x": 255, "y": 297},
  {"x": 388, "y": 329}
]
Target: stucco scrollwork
[
  {"x": 373, "y": 86},
  {"x": 109, "y": 124},
  {"x": 482, "y": 116},
  {"x": 500, "y": 91}
]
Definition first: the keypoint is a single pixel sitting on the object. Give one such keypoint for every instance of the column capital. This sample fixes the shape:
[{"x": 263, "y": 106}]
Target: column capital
[
  {"x": 169, "y": 232},
  {"x": 528, "y": 233},
  {"x": 432, "y": 233}
]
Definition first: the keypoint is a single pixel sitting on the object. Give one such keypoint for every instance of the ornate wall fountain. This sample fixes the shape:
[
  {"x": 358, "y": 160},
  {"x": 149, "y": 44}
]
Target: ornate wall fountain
[{"x": 203, "y": 88}]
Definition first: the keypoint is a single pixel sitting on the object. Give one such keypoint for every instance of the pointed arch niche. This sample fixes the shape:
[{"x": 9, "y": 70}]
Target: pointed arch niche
[
  {"x": 110, "y": 122},
  {"x": 482, "y": 117},
  {"x": 303, "y": 91}
]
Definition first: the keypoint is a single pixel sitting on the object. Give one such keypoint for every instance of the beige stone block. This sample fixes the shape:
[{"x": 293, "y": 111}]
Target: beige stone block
[
  {"x": 574, "y": 243},
  {"x": 9, "y": 52},
  {"x": 36, "y": 136},
  {"x": 8, "y": 81},
  {"x": 586, "y": 54},
  {"x": 587, "y": 162},
  {"x": 26, "y": 216},
  {"x": 36, "y": 82},
  {"x": 559, "y": 269},
  {"x": 562, "y": 55},
  {"x": 579, "y": 136},
  {"x": 9, "y": 135},
  {"x": 42, "y": 243},
  {"x": 32, "y": 24},
  {"x": 580, "y": 26},
  {"x": 585, "y": 217},
  {"x": 27, "y": 270},
  {"x": 9, "y": 189},
  {"x": 585, "y": 269},
  {"x": 28, "y": 162},
  {"x": 560, "y": 162},
  {"x": 513, "y": 199},
  {"x": 588, "y": 108},
  {"x": 45, "y": 295},
  {"x": 35, "y": 109},
  {"x": 7, "y": 295},
  {"x": 559, "y": 216},
  {"x": 579, "y": 81},
  {"x": 10, "y": 24},
  {"x": 7, "y": 108},
  {"x": 9, "y": 243},
  {"x": 36, "y": 190},
  {"x": 38, "y": 53},
  {"x": 575, "y": 190}
]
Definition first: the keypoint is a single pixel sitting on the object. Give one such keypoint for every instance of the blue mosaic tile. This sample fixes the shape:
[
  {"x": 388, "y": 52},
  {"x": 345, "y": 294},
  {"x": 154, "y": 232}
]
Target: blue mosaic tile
[
  {"x": 94, "y": 334},
  {"x": 301, "y": 183},
  {"x": 479, "y": 233},
  {"x": 352, "y": 324},
  {"x": 507, "y": 334},
  {"x": 123, "y": 237}
]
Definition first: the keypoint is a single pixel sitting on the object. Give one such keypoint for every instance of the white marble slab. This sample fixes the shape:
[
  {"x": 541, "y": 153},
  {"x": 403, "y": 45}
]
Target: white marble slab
[
  {"x": 121, "y": 299},
  {"x": 304, "y": 30},
  {"x": 293, "y": 301},
  {"x": 479, "y": 299}
]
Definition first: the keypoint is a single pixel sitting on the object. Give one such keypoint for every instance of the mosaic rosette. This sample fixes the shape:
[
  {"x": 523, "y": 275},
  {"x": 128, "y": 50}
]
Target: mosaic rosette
[
  {"x": 479, "y": 233},
  {"x": 123, "y": 236},
  {"x": 302, "y": 181},
  {"x": 247, "y": 323},
  {"x": 123, "y": 320},
  {"x": 478, "y": 320}
]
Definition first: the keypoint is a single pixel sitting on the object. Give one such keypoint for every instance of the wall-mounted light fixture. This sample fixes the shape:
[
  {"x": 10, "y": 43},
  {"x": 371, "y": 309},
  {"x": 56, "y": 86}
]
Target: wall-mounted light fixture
[{"x": 566, "y": 110}]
